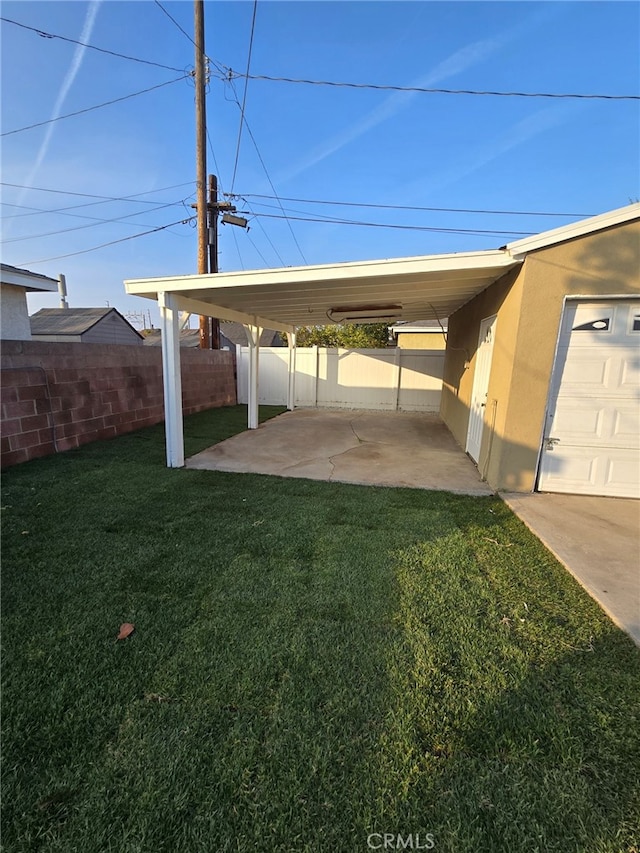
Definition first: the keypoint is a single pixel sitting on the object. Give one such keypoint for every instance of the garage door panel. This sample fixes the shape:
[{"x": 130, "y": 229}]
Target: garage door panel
[
  {"x": 592, "y": 437},
  {"x": 612, "y": 371},
  {"x": 609, "y": 422},
  {"x": 626, "y": 425},
  {"x": 630, "y": 374},
  {"x": 579, "y": 470},
  {"x": 619, "y": 474}
]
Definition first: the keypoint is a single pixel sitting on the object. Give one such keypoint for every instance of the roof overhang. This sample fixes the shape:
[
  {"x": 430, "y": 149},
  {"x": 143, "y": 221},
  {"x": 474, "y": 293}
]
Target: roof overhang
[
  {"x": 30, "y": 281},
  {"x": 420, "y": 288},
  {"x": 520, "y": 248}
]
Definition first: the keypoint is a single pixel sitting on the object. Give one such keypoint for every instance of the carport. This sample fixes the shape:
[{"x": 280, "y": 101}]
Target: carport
[{"x": 420, "y": 288}]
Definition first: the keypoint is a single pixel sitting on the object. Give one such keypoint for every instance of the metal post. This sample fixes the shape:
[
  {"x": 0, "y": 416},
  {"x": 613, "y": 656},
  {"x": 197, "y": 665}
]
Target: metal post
[
  {"x": 291, "y": 392},
  {"x": 172, "y": 380},
  {"x": 253, "y": 334}
]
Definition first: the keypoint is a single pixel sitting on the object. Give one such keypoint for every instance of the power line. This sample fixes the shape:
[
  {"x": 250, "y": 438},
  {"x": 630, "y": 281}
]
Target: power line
[
  {"x": 45, "y": 34},
  {"x": 232, "y": 75},
  {"x": 269, "y": 240},
  {"x": 408, "y": 206},
  {"x": 93, "y": 195},
  {"x": 244, "y": 96},
  {"x": 328, "y": 221},
  {"x": 235, "y": 240},
  {"x": 262, "y": 257},
  {"x": 95, "y": 224},
  {"x": 215, "y": 160},
  {"x": 96, "y": 107},
  {"x": 255, "y": 145},
  {"x": 171, "y": 18},
  {"x": 104, "y": 245}
]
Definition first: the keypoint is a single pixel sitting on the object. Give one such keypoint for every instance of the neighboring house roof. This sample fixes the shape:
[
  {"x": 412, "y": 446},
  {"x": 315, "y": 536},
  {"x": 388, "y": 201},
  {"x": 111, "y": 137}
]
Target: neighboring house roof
[
  {"x": 231, "y": 334},
  {"x": 70, "y": 321},
  {"x": 235, "y": 333},
  {"x": 32, "y": 281},
  {"x": 189, "y": 338}
]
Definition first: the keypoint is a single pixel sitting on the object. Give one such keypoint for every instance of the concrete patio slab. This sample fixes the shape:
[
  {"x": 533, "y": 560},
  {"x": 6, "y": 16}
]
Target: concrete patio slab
[
  {"x": 598, "y": 540},
  {"x": 367, "y": 448}
]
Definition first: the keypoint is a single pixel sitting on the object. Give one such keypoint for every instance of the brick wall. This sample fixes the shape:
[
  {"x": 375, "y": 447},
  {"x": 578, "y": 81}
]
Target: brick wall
[{"x": 56, "y": 396}]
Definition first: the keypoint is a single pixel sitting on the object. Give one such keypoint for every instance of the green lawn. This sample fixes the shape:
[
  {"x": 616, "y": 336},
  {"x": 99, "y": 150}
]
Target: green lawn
[{"x": 312, "y": 663}]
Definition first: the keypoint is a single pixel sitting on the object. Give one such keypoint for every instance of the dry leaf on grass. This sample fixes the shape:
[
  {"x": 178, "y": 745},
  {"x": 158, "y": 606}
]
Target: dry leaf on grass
[{"x": 125, "y": 630}]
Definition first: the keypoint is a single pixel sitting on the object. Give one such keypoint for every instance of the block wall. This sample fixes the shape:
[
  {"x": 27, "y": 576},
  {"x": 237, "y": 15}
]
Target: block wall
[{"x": 57, "y": 396}]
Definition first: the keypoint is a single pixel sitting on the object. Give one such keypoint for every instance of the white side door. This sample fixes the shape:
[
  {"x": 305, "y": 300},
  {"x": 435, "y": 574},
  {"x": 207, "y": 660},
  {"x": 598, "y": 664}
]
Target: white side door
[
  {"x": 478, "y": 406},
  {"x": 591, "y": 443}
]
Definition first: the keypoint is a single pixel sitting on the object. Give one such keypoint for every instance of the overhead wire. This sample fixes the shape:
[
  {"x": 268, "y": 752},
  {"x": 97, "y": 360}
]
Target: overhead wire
[
  {"x": 234, "y": 75},
  {"x": 329, "y": 221},
  {"x": 408, "y": 206},
  {"x": 94, "y": 195},
  {"x": 235, "y": 240},
  {"x": 45, "y": 34},
  {"x": 171, "y": 18},
  {"x": 244, "y": 94},
  {"x": 96, "y": 223},
  {"x": 266, "y": 171},
  {"x": 96, "y": 107},
  {"x": 111, "y": 243},
  {"x": 269, "y": 240}
]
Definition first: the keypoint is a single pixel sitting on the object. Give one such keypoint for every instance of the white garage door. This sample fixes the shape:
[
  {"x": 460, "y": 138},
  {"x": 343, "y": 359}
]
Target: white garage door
[{"x": 591, "y": 444}]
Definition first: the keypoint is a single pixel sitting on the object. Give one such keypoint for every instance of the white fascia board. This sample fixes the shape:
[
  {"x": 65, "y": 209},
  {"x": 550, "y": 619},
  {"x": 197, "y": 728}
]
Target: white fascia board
[
  {"x": 28, "y": 280},
  {"x": 483, "y": 260},
  {"x": 197, "y": 306},
  {"x": 519, "y": 248}
]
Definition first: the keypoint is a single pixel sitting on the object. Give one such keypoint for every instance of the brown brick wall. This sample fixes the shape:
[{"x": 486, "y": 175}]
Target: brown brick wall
[{"x": 56, "y": 396}]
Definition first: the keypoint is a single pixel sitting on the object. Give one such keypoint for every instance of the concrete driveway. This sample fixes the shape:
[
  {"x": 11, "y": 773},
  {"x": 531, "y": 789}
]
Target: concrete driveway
[
  {"x": 598, "y": 540},
  {"x": 346, "y": 446}
]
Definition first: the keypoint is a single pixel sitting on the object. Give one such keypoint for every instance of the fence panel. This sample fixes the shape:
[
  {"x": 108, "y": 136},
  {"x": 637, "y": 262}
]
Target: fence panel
[{"x": 378, "y": 379}]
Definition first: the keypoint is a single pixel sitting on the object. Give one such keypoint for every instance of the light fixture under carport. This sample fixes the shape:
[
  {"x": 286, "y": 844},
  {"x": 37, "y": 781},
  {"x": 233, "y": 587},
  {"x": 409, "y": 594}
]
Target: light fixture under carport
[{"x": 365, "y": 314}]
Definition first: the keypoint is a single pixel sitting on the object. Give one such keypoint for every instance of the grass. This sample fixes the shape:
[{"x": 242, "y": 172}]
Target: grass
[{"x": 312, "y": 663}]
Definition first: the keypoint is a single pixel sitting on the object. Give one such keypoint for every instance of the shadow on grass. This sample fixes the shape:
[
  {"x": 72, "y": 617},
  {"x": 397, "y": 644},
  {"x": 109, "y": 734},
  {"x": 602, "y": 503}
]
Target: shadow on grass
[
  {"x": 522, "y": 695},
  {"x": 312, "y": 663}
]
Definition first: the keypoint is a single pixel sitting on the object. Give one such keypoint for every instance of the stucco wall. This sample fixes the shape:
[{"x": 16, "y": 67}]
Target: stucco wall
[
  {"x": 14, "y": 316},
  {"x": 529, "y": 313},
  {"x": 421, "y": 340},
  {"x": 502, "y": 299}
]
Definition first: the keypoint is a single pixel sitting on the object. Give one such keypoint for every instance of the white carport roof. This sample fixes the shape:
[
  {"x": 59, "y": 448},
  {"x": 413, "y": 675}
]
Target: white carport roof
[
  {"x": 422, "y": 288},
  {"x": 418, "y": 288}
]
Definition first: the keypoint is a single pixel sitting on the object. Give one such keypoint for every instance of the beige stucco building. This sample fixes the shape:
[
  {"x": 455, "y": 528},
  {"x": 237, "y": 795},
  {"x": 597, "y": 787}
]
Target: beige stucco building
[{"x": 600, "y": 268}]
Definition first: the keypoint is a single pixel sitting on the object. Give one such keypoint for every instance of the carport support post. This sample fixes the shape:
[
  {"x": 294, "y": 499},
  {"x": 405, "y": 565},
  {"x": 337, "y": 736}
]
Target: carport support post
[
  {"x": 253, "y": 334},
  {"x": 171, "y": 379},
  {"x": 291, "y": 390}
]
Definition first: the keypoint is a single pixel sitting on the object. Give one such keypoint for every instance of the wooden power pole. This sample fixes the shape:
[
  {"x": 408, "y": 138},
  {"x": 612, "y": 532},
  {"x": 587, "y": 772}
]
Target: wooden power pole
[
  {"x": 201, "y": 159},
  {"x": 213, "y": 208}
]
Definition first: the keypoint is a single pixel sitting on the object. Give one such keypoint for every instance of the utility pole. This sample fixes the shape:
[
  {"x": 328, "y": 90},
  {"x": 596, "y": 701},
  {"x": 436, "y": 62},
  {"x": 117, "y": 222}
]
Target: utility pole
[
  {"x": 213, "y": 250},
  {"x": 201, "y": 159}
]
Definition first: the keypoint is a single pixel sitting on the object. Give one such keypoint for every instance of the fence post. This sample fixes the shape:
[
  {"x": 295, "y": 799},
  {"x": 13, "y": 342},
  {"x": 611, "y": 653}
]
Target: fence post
[{"x": 398, "y": 375}]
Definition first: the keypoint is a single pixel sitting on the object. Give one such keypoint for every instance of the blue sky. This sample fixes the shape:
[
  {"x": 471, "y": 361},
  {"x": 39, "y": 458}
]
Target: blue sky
[{"x": 317, "y": 142}]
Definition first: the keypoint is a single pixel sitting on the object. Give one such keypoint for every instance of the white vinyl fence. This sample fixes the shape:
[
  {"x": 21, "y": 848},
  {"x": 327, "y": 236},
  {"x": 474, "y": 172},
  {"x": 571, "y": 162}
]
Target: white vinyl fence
[{"x": 377, "y": 379}]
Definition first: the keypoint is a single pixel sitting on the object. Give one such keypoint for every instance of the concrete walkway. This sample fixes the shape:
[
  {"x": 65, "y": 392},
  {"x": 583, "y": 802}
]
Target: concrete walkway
[
  {"x": 346, "y": 446},
  {"x": 598, "y": 540}
]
